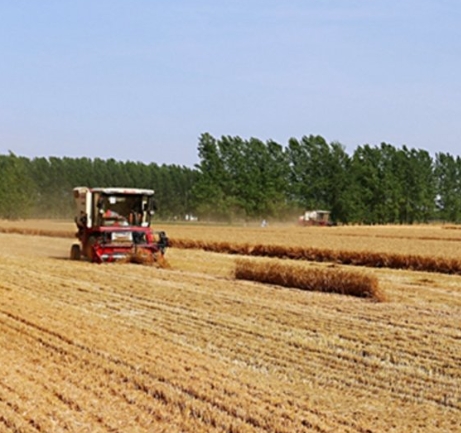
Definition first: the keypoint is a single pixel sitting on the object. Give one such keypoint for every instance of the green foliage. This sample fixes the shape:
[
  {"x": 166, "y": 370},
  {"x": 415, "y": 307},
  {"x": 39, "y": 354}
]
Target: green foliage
[
  {"x": 16, "y": 187},
  {"x": 42, "y": 187},
  {"x": 319, "y": 176},
  {"x": 448, "y": 178},
  {"x": 392, "y": 185},
  {"x": 376, "y": 185},
  {"x": 239, "y": 179}
]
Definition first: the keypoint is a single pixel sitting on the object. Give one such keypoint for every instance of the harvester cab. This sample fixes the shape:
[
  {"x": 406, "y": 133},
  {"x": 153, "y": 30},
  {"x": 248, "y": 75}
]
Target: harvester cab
[{"x": 114, "y": 223}]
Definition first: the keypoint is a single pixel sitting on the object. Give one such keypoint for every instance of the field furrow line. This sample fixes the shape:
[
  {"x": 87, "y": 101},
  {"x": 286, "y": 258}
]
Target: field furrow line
[
  {"x": 188, "y": 391},
  {"x": 61, "y": 364},
  {"x": 326, "y": 359},
  {"x": 189, "y": 327},
  {"x": 236, "y": 333}
]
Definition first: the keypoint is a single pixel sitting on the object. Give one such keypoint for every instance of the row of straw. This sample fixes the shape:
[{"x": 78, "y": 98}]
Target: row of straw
[
  {"x": 358, "y": 258},
  {"x": 329, "y": 280}
]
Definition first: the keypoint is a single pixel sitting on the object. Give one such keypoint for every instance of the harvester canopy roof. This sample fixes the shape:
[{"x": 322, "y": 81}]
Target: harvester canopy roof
[{"x": 115, "y": 191}]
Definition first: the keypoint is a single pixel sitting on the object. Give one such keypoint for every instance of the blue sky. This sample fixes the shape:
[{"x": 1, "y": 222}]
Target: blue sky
[{"x": 140, "y": 80}]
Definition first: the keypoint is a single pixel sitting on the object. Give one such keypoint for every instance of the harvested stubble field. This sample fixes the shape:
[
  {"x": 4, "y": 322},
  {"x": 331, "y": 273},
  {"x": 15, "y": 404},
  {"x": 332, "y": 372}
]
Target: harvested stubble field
[{"x": 129, "y": 348}]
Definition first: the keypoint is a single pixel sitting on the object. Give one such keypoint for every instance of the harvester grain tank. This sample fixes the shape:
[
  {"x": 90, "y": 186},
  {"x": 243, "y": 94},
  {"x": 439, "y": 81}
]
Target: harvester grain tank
[{"x": 114, "y": 223}]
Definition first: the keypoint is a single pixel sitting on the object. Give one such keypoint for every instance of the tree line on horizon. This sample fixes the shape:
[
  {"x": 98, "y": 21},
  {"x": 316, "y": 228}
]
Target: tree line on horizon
[{"x": 242, "y": 180}]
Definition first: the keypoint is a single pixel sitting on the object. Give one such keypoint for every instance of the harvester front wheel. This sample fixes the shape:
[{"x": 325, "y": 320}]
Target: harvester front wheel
[{"x": 75, "y": 253}]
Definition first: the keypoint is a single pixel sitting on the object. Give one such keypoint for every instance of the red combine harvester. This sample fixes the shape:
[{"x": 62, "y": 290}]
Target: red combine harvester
[
  {"x": 315, "y": 218},
  {"x": 114, "y": 223}
]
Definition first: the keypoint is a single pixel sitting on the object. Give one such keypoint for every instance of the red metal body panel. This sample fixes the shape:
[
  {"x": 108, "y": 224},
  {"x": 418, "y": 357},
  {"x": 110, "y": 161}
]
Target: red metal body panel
[{"x": 107, "y": 244}]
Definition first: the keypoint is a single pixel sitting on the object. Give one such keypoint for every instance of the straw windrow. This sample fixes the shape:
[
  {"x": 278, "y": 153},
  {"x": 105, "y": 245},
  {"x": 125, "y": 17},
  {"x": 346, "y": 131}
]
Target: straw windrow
[
  {"x": 370, "y": 259},
  {"x": 415, "y": 262},
  {"x": 328, "y": 280}
]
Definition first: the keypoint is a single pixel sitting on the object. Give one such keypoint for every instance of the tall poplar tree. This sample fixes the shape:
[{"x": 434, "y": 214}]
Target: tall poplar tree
[{"x": 17, "y": 190}]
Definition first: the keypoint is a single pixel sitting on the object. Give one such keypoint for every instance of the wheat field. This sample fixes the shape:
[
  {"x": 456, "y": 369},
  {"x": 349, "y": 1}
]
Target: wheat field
[{"x": 189, "y": 348}]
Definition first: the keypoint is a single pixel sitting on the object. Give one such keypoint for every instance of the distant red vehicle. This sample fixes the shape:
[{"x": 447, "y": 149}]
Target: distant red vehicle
[
  {"x": 114, "y": 223},
  {"x": 315, "y": 218}
]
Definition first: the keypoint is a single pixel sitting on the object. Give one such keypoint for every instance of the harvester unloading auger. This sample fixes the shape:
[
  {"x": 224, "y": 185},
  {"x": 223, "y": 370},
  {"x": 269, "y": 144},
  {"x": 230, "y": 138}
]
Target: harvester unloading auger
[{"x": 115, "y": 224}]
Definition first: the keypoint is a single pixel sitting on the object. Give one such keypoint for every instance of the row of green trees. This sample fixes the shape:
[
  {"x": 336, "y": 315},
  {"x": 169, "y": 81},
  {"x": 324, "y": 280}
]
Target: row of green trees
[
  {"x": 375, "y": 185},
  {"x": 42, "y": 187},
  {"x": 239, "y": 179}
]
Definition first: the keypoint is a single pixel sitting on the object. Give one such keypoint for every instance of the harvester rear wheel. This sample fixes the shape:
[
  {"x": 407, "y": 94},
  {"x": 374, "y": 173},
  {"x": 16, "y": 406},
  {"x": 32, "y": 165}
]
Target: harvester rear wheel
[{"x": 75, "y": 253}]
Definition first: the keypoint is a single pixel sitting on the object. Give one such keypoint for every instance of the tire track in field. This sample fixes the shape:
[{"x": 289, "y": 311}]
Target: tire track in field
[
  {"x": 252, "y": 421},
  {"x": 193, "y": 324},
  {"x": 53, "y": 393},
  {"x": 337, "y": 357}
]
